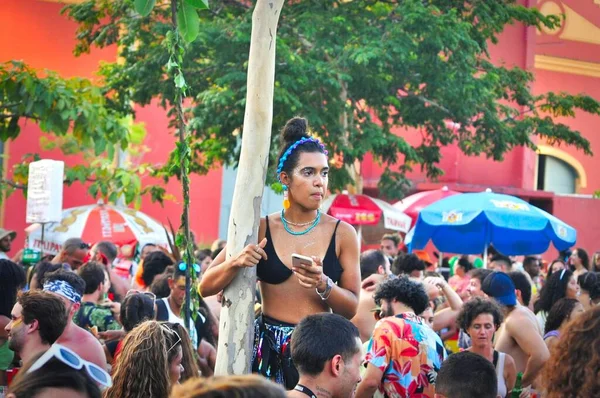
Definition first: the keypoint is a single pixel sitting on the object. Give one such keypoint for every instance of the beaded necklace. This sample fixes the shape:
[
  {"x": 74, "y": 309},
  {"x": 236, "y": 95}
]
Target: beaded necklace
[{"x": 313, "y": 224}]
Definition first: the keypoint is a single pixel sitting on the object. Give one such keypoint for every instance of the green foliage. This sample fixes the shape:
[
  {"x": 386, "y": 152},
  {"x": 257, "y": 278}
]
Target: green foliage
[
  {"x": 144, "y": 7},
  {"x": 79, "y": 121},
  {"x": 360, "y": 71}
]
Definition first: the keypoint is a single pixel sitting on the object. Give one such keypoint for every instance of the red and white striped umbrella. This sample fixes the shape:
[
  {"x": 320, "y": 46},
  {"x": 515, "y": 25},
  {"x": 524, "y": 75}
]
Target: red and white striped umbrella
[{"x": 95, "y": 223}]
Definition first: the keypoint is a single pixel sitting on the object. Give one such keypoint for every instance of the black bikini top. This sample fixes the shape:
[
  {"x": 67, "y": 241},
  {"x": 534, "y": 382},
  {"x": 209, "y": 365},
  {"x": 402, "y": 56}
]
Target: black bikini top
[{"x": 274, "y": 271}]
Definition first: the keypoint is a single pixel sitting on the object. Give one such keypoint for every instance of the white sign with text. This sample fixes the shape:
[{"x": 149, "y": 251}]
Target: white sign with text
[{"x": 45, "y": 191}]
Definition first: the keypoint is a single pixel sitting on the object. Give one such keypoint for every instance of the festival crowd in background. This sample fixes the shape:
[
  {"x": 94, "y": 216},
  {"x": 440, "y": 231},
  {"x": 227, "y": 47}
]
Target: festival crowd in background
[{"x": 332, "y": 322}]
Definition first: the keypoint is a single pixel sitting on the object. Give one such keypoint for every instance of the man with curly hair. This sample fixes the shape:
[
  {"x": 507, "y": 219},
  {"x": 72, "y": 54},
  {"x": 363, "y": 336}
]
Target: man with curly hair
[
  {"x": 409, "y": 265},
  {"x": 404, "y": 354}
]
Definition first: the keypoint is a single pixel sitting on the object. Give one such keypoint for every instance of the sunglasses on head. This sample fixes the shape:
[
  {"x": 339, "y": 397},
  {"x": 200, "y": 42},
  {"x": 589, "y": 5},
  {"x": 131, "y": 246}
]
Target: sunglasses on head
[
  {"x": 183, "y": 266},
  {"x": 74, "y": 361},
  {"x": 168, "y": 329}
]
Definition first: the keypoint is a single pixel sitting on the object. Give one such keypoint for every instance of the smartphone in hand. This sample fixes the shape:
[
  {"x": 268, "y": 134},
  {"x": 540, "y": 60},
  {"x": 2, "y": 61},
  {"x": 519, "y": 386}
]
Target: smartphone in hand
[{"x": 299, "y": 260}]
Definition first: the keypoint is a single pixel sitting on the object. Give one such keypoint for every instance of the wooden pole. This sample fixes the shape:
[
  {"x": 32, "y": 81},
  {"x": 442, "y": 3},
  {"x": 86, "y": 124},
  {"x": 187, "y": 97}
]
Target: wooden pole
[{"x": 236, "y": 328}]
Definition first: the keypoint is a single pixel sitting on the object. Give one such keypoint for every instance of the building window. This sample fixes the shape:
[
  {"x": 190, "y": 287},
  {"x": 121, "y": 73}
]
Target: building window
[{"x": 556, "y": 175}]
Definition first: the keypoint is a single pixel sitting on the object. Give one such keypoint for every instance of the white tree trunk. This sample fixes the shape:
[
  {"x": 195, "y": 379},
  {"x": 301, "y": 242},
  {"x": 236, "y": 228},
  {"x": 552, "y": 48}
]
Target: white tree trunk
[{"x": 237, "y": 315}]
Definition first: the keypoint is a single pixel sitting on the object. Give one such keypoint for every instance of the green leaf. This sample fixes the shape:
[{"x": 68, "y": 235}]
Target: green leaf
[
  {"x": 180, "y": 81},
  {"x": 144, "y": 7},
  {"x": 200, "y": 4},
  {"x": 188, "y": 22}
]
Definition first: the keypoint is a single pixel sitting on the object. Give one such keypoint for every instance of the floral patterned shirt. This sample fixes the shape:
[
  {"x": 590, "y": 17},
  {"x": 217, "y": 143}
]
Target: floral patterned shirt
[{"x": 409, "y": 353}]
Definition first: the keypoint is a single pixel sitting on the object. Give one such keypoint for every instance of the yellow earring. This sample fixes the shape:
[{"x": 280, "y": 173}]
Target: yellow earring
[{"x": 286, "y": 199}]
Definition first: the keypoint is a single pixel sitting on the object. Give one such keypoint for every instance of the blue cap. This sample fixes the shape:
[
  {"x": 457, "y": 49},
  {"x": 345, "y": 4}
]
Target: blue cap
[{"x": 499, "y": 286}]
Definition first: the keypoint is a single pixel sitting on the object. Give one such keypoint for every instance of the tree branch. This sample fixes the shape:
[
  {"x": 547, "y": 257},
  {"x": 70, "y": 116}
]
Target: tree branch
[{"x": 13, "y": 184}]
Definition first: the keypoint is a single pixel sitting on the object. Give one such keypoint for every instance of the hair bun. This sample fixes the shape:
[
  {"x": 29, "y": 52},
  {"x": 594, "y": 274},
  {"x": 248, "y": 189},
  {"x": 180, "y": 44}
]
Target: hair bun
[{"x": 294, "y": 129}]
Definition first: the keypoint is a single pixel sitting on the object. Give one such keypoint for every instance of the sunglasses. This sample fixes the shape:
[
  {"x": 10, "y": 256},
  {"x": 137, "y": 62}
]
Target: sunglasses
[
  {"x": 166, "y": 328},
  {"x": 131, "y": 292},
  {"x": 183, "y": 266},
  {"x": 74, "y": 361}
]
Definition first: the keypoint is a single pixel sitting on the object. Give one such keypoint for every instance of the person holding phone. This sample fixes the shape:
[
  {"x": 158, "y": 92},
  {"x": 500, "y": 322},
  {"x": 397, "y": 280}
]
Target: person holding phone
[{"x": 307, "y": 262}]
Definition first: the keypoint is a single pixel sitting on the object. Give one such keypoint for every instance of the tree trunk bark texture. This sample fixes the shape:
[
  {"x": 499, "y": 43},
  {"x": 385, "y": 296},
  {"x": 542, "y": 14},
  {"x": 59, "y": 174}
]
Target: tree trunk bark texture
[{"x": 236, "y": 329}]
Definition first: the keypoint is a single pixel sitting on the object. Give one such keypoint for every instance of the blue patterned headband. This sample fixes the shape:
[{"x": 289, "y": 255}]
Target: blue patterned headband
[
  {"x": 64, "y": 289},
  {"x": 296, "y": 145}
]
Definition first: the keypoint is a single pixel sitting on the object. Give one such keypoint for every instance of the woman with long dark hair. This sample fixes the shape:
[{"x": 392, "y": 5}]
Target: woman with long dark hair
[
  {"x": 590, "y": 288},
  {"x": 580, "y": 261},
  {"x": 559, "y": 285},
  {"x": 562, "y": 311}
]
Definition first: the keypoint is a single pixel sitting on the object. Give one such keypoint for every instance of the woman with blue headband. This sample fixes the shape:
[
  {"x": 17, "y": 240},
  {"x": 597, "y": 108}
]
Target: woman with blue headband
[{"x": 328, "y": 280}]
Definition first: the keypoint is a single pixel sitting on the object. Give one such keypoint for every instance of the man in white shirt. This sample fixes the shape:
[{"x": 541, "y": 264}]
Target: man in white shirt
[{"x": 6, "y": 238}]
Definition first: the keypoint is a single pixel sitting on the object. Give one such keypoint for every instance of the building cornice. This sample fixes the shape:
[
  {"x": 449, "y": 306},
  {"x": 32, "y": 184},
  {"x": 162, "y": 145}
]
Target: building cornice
[{"x": 565, "y": 65}]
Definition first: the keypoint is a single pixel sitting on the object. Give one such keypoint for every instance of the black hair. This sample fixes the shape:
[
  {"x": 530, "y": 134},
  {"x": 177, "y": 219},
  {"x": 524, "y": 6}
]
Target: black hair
[
  {"x": 201, "y": 254},
  {"x": 502, "y": 259},
  {"x": 320, "y": 337},
  {"x": 12, "y": 278},
  {"x": 393, "y": 237},
  {"x": 529, "y": 260},
  {"x": 160, "y": 286},
  {"x": 585, "y": 259},
  {"x": 135, "y": 309},
  {"x": 370, "y": 262},
  {"x": 589, "y": 282},
  {"x": 595, "y": 291},
  {"x": 408, "y": 292},
  {"x": 491, "y": 251},
  {"x": 48, "y": 310},
  {"x": 480, "y": 273},
  {"x": 109, "y": 250},
  {"x": 93, "y": 274},
  {"x": 407, "y": 263},
  {"x": 558, "y": 260},
  {"x": 559, "y": 313},
  {"x": 155, "y": 263},
  {"x": 295, "y": 129},
  {"x": 475, "y": 307},
  {"x": 68, "y": 276},
  {"x": 467, "y": 375},
  {"x": 464, "y": 262},
  {"x": 54, "y": 374},
  {"x": 553, "y": 290},
  {"x": 42, "y": 268},
  {"x": 523, "y": 285}
]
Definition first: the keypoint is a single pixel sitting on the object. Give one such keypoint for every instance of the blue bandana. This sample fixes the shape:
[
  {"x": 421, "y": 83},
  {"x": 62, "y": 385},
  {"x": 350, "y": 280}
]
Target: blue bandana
[{"x": 64, "y": 289}]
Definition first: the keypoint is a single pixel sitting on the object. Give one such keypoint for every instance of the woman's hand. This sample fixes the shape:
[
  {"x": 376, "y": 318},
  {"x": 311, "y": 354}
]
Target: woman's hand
[
  {"x": 251, "y": 255},
  {"x": 311, "y": 276}
]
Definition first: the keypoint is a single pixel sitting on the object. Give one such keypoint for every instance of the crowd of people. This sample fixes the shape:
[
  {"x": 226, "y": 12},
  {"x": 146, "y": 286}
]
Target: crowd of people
[{"x": 330, "y": 321}]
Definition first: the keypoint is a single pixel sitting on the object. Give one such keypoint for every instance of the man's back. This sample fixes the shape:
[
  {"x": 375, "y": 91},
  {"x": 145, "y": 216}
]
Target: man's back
[
  {"x": 408, "y": 352},
  {"x": 84, "y": 344},
  {"x": 520, "y": 318}
]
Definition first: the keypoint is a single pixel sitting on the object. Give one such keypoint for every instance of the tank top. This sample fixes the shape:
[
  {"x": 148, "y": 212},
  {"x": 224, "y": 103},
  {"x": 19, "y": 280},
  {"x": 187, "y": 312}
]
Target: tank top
[
  {"x": 176, "y": 319},
  {"x": 274, "y": 271},
  {"x": 500, "y": 373}
]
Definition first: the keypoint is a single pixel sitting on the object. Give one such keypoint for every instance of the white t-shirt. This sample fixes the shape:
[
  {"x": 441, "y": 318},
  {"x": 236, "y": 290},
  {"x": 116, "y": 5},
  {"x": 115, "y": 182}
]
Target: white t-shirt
[{"x": 3, "y": 256}]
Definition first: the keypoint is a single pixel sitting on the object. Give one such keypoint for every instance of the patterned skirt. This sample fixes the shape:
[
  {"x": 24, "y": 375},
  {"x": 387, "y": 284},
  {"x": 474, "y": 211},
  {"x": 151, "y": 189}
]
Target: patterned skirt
[{"x": 271, "y": 356}]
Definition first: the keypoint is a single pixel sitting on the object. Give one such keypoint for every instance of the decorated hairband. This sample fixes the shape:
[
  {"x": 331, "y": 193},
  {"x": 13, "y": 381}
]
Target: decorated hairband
[
  {"x": 296, "y": 145},
  {"x": 64, "y": 289}
]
